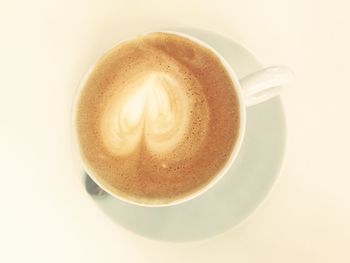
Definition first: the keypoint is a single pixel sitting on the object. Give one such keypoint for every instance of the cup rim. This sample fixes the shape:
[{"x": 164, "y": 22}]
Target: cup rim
[{"x": 220, "y": 174}]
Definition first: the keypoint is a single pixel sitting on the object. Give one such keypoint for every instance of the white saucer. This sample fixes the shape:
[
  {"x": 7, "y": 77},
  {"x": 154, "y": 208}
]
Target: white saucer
[{"x": 238, "y": 194}]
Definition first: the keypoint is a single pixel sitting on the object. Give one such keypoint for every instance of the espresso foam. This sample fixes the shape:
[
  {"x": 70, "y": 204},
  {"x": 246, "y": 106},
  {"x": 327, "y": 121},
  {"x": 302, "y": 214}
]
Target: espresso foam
[{"x": 157, "y": 118}]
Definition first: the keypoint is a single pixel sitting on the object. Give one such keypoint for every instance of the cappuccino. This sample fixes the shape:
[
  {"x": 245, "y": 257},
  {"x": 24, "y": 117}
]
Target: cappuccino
[{"x": 157, "y": 118}]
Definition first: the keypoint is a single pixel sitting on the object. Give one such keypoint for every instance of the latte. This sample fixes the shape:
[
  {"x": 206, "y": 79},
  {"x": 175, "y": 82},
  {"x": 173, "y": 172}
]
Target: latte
[{"x": 157, "y": 118}]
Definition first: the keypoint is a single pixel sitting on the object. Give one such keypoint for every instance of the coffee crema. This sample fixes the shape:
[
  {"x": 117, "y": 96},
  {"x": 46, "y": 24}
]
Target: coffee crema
[{"x": 157, "y": 118}]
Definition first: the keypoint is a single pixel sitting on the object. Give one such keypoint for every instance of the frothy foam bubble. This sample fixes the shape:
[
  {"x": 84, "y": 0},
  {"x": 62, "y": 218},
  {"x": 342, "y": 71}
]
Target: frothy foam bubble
[{"x": 153, "y": 109}]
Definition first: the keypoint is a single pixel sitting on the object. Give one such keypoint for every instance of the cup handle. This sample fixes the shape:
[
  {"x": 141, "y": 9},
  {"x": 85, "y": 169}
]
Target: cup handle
[{"x": 264, "y": 84}]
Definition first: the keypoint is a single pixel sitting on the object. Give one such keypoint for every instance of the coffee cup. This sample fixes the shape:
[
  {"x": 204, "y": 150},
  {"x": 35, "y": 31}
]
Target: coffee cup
[{"x": 250, "y": 90}]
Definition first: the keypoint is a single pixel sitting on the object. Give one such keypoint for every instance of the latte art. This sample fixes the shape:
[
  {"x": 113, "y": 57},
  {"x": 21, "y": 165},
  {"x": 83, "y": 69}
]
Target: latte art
[
  {"x": 157, "y": 118},
  {"x": 153, "y": 110}
]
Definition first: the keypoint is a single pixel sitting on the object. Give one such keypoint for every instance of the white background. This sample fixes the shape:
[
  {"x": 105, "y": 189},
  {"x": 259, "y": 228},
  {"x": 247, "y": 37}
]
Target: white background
[{"x": 45, "y": 48}]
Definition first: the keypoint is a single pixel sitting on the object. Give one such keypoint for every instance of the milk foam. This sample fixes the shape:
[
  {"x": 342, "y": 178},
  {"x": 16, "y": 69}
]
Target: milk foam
[{"x": 152, "y": 110}]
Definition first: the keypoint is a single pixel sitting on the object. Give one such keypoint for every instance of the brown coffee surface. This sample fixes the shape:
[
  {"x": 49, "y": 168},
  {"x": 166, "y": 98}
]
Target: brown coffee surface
[{"x": 157, "y": 118}]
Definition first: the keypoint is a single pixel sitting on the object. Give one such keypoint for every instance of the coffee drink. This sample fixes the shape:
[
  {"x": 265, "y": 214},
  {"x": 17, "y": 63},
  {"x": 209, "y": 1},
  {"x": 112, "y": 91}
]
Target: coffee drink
[{"x": 157, "y": 118}]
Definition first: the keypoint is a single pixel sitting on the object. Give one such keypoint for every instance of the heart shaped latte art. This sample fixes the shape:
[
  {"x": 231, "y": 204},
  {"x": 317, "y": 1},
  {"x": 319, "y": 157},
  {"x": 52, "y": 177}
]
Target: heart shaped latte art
[{"x": 152, "y": 111}]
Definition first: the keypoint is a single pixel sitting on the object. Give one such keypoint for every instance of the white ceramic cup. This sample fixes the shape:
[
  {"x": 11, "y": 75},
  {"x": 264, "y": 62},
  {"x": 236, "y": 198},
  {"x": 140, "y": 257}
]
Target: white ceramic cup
[{"x": 252, "y": 89}]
